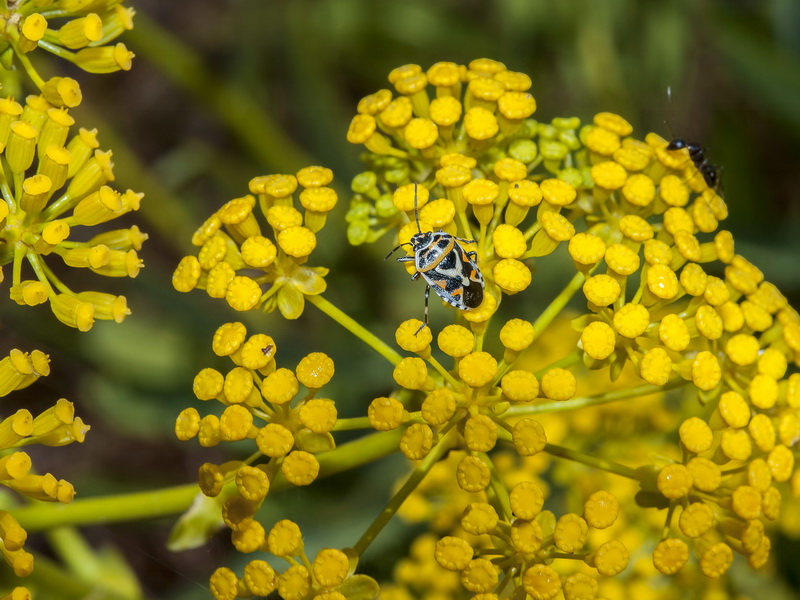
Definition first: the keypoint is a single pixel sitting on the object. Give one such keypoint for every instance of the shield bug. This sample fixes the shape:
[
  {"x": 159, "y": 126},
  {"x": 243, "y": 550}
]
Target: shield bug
[{"x": 446, "y": 267}]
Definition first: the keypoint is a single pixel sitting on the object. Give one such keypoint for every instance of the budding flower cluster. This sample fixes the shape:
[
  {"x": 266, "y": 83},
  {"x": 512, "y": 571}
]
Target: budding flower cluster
[
  {"x": 536, "y": 438},
  {"x": 328, "y": 576},
  {"x": 56, "y": 426},
  {"x": 58, "y": 184},
  {"x": 232, "y": 241},
  {"x": 263, "y": 403},
  {"x": 78, "y": 31}
]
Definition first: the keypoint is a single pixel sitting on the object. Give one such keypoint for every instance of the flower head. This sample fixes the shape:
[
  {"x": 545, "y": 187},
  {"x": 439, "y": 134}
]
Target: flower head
[
  {"x": 79, "y": 32},
  {"x": 238, "y": 262},
  {"x": 57, "y": 185},
  {"x": 667, "y": 304},
  {"x": 326, "y": 575},
  {"x": 56, "y": 426}
]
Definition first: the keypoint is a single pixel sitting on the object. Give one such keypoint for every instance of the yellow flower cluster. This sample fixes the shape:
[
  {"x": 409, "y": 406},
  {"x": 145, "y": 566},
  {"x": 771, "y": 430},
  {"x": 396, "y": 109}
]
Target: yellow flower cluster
[
  {"x": 641, "y": 226},
  {"x": 52, "y": 185},
  {"x": 537, "y": 439},
  {"x": 730, "y": 337},
  {"x": 78, "y": 31},
  {"x": 329, "y": 576},
  {"x": 265, "y": 404},
  {"x": 56, "y": 426},
  {"x": 232, "y": 241}
]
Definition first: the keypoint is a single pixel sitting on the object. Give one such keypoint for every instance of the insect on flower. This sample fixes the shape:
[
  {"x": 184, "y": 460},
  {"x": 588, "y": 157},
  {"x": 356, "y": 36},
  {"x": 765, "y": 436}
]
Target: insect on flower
[
  {"x": 445, "y": 266},
  {"x": 697, "y": 154},
  {"x": 710, "y": 172}
]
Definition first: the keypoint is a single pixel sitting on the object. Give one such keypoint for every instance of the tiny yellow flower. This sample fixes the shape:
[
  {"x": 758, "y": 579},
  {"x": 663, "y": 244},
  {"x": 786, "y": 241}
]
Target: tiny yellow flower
[
  {"x": 598, "y": 340},
  {"x": 601, "y": 510},
  {"x": 674, "y": 481},
  {"x": 601, "y": 290},
  {"x": 477, "y": 369},
  {"x": 520, "y": 386},
  {"x": 541, "y": 581},
  {"x": 528, "y": 436},
  {"x": 385, "y": 414},
  {"x": 453, "y": 553},
  {"x": 670, "y": 556},
  {"x": 558, "y": 384}
]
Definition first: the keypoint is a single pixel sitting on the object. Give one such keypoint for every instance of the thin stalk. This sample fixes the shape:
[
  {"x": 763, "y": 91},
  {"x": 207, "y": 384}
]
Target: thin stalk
[
  {"x": 557, "y": 305},
  {"x": 39, "y": 516},
  {"x": 361, "y": 332},
  {"x": 596, "y": 400},
  {"x": 591, "y": 461},
  {"x": 414, "y": 479}
]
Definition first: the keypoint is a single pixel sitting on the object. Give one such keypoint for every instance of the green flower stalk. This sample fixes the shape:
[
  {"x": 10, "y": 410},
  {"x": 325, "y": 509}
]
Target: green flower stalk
[{"x": 537, "y": 438}]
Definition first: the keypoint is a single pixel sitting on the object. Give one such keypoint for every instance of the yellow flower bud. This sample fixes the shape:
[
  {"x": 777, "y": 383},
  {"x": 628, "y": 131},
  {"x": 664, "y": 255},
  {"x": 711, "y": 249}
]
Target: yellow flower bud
[
  {"x": 105, "y": 59},
  {"x": 80, "y": 32},
  {"x": 670, "y": 556},
  {"x": 385, "y": 414},
  {"x": 72, "y": 311},
  {"x": 62, "y": 91}
]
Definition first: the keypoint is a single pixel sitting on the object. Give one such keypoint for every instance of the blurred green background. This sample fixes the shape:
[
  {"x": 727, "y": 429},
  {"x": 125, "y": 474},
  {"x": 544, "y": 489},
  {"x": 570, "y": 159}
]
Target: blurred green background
[{"x": 225, "y": 90}]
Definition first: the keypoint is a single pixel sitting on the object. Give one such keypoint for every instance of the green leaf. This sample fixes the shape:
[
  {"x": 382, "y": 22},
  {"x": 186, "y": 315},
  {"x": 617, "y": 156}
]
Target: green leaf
[{"x": 196, "y": 526}]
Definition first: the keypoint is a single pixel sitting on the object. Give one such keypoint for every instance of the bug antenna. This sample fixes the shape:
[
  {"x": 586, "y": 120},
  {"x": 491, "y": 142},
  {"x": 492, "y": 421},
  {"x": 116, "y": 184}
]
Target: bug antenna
[
  {"x": 670, "y": 111},
  {"x": 416, "y": 210}
]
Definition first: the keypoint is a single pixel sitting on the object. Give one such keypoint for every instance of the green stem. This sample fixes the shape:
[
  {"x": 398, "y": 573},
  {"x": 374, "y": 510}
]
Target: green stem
[
  {"x": 497, "y": 488},
  {"x": 351, "y": 424},
  {"x": 443, "y": 372},
  {"x": 73, "y": 550},
  {"x": 596, "y": 400},
  {"x": 20, "y": 250},
  {"x": 591, "y": 461},
  {"x": 45, "y": 274},
  {"x": 39, "y": 516},
  {"x": 355, "y": 328},
  {"x": 563, "y": 363},
  {"x": 558, "y": 303},
  {"x": 414, "y": 479},
  {"x": 13, "y": 33}
]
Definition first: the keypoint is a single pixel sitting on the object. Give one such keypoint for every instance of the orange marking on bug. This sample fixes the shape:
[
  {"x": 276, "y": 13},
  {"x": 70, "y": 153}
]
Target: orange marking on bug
[{"x": 444, "y": 253}]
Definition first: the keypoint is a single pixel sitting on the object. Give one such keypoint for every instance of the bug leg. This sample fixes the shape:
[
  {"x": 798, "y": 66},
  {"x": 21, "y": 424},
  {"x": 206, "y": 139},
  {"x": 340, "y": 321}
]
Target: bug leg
[
  {"x": 425, "y": 321},
  {"x": 405, "y": 258},
  {"x": 472, "y": 255},
  {"x": 415, "y": 276}
]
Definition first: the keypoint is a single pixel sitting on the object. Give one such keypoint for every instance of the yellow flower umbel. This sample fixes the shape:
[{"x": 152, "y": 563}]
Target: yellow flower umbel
[
  {"x": 328, "y": 576},
  {"x": 57, "y": 426},
  {"x": 535, "y": 439},
  {"x": 641, "y": 226},
  {"x": 262, "y": 403},
  {"x": 80, "y": 32},
  {"x": 54, "y": 184},
  {"x": 236, "y": 258}
]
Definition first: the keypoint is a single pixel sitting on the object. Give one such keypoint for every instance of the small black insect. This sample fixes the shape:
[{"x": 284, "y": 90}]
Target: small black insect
[
  {"x": 710, "y": 172},
  {"x": 445, "y": 266},
  {"x": 697, "y": 154}
]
